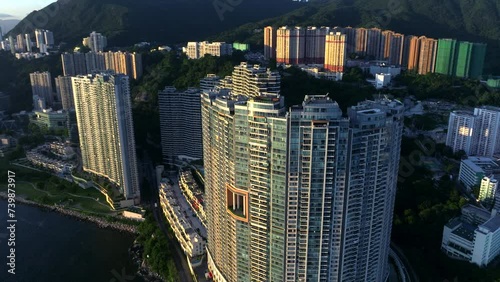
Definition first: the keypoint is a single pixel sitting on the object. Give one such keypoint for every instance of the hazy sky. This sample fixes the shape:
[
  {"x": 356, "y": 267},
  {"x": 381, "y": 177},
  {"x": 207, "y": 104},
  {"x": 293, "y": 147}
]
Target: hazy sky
[{"x": 20, "y": 8}]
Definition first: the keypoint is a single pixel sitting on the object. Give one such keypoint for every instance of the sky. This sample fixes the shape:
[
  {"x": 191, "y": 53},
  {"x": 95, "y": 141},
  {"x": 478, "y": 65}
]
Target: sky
[{"x": 18, "y": 9}]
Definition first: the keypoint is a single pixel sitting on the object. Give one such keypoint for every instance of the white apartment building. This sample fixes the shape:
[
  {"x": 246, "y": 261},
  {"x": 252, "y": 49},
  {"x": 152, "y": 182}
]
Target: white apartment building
[
  {"x": 461, "y": 129},
  {"x": 254, "y": 80},
  {"x": 478, "y": 133},
  {"x": 191, "y": 242},
  {"x": 197, "y": 50},
  {"x": 488, "y": 142},
  {"x": 104, "y": 116}
]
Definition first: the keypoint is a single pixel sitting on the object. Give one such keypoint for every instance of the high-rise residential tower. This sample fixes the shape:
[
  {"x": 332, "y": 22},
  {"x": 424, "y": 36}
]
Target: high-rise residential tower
[
  {"x": 20, "y": 43},
  {"x": 41, "y": 86},
  {"x": 29, "y": 43},
  {"x": 96, "y": 42},
  {"x": 373, "y": 42},
  {"x": 341, "y": 189},
  {"x": 361, "y": 41},
  {"x": 106, "y": 132},
  {"x": 315, "y": 44},
  {"x": 290, "y": 45},
  {"x": 393, "y": 52},
  {"x": 411, "y": 52},
  {"x": 180, "y": 124},
  {"x": 74, "y": 64},
  {"x": 244, "y": 147},
  {"x": 478, "y": 133},
  {"x": 269, "y": 42},
  {"x": 335, "y": 52},
  {"x": 462, "y": 128},
  {"x": 488, "y": 130},
  {"x": 254, "y": 80},
  {"x": 488, "y": 190},
  {"x": 64, "y": 89},
  {"x": 306, "y": 195},
  {"x": 427, "y": 57},
  {"x": 445, "y": 59}
]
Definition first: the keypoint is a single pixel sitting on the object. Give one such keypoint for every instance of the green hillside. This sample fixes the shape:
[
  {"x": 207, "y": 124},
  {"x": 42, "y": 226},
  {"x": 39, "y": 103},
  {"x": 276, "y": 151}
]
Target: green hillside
[
  {"x": 165, "y": 21},
  {"x": 474, "y": 20}
]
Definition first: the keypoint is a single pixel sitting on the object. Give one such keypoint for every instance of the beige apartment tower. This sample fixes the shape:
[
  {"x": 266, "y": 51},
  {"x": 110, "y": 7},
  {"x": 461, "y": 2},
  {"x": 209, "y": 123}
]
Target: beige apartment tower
[{"x": 335, "y": 52}]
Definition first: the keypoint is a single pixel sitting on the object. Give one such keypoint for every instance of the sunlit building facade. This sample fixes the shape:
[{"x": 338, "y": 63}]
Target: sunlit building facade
[{"x": 106, "y": 131}]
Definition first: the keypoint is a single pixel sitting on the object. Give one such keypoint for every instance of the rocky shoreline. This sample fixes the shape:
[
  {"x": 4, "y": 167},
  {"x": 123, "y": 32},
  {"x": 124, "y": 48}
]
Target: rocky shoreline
[
  {"x": 136, "y": 252},
  {"x": 100, "y": 222}
]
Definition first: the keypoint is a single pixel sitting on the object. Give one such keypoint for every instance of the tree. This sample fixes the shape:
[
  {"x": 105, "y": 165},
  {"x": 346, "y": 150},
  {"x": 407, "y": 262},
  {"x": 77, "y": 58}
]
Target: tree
[{"x": 40, "y": 185}]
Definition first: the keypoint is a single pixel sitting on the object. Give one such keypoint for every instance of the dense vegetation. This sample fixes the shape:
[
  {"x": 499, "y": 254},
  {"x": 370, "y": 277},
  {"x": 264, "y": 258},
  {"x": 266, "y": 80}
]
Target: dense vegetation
[
  {"x": 157, "y": 249},
  {"x": 129, "y": 21},
  {"x": 463, "y": 19},
  {"x": 437, "y": 86},
  {"x": 295, "y": 84},
  {"x": 423, "y": 206}
]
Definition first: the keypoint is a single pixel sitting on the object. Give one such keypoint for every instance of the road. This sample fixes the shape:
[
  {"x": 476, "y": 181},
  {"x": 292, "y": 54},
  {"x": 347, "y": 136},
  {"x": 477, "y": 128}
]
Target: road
[
  {"x": 148, "y": 171},
  {"x": 403, "y": 262}
]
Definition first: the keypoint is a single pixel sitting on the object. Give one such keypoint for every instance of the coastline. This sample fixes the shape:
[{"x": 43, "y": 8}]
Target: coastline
[{"x": 100, "y": 222}]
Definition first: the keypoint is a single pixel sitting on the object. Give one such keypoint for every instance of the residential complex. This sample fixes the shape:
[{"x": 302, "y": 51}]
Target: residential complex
[
  {"x": 307, "y": 45},
  {"x": 474, "y": 169},
  {"x": 50, "y": 120},
  {"x": 246, "y": 80},
  {"x": 64, "y": 89},
  {"x": 177, "y": 213},
  {"x": 126, "y": 63},
  {"x": 477, "y": 133},
  {"x": 180, "y": 124},
  {"x": 306, "y": 195},
  {"x": 252, "y": 80},
  {"x": 461, "y": 59},
  {"x": 44, "y": 40},
  {"x": 96, "y": 42},
  {"x": 104, "y": 116},
  {"x": 290, "y": 45},
  {"x": 197, "y": 50},
  {"x": 41, "y": 87},
  {"x": 473, "y": 237}
]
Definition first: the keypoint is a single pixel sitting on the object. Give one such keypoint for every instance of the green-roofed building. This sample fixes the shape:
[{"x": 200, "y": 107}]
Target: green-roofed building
[{"x": 445, "y": 60}]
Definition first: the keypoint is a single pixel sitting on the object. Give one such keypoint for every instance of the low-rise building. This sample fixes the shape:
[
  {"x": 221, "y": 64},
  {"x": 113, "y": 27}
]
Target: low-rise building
[
  {"x": 51, "y": 120},
  {"x": 473, "y": 170},
  {"x": 134, "y": 213},
  {"x": 193, "y": 194},
  {"x": 382, "y": 80},
  {"x": 317, "y": 73},
  {"x": 52, "y": 156},
  {"x": 473, "y": 237},
  {"x": 191, "y": 242}
]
